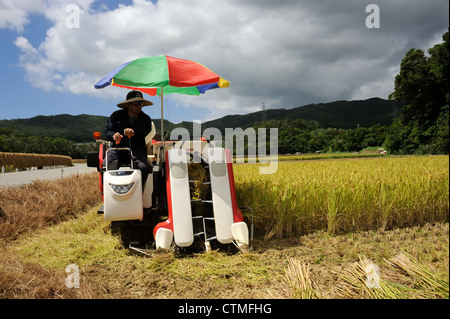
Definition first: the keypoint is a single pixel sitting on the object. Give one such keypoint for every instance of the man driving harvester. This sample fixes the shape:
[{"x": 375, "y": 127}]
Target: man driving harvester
[{"x": 129, "y": 127}]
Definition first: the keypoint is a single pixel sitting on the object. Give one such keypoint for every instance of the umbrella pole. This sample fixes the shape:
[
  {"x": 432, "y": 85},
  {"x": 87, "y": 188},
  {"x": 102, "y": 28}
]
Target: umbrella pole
[
  {"x": 162, "y": 116},
  {"x": 162, "y": 126}
]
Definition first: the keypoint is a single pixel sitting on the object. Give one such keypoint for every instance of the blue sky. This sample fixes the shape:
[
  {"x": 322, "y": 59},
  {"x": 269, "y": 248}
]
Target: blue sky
[{"x": 283, "y": 53}]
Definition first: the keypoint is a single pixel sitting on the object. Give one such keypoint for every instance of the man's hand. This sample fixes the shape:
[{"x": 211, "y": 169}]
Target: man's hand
[
  {"x": 128, "y": 132},
  {"x": 117, "y": 137}
]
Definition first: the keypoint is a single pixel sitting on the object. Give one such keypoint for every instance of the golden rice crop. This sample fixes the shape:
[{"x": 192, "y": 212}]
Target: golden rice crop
[{"x": 344, "y": 195}]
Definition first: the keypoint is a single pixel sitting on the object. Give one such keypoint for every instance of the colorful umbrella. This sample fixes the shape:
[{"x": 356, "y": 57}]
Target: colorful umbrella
[{"x": 163, "y": 75}]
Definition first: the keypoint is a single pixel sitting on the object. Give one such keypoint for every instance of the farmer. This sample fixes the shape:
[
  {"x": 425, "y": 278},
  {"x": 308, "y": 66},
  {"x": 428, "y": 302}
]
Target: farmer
[{"x": 128, "y": 127}]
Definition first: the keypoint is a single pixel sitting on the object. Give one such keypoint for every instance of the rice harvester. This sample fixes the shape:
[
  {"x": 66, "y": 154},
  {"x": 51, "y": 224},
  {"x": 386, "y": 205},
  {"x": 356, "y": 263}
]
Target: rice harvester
[{"x": 189, "y": 200}]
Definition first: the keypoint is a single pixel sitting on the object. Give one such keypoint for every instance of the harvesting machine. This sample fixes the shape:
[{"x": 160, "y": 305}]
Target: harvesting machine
[{"x": 189, "y": 200}]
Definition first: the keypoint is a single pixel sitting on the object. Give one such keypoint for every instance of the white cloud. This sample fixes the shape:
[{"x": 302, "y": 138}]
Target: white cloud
[
  {"x": 14, "y": 14},
  {"x": 25, "y": 46},
  {"x": 284, "y": 53}
]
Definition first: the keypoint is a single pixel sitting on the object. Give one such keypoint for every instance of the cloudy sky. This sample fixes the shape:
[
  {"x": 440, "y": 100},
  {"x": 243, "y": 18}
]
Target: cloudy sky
[{"x": 284, "y": 53}]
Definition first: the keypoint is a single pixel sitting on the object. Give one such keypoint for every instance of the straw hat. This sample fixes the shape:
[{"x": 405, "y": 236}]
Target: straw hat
[{"x": 134, "y": 96}]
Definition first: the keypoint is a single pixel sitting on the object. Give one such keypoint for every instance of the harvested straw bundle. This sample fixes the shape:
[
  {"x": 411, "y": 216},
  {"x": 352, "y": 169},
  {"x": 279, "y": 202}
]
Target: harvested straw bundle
[{"x": 24, "y": 160}]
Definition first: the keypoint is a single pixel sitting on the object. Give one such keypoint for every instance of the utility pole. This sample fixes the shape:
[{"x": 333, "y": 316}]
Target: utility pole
[{"x": 264, "y": 111}]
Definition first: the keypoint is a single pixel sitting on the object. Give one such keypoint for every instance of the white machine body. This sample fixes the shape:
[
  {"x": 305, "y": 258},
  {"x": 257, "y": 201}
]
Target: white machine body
[
  {"x": 148, "y": 191},
  {"x": 123, "y": 195},
  {"x": 229, "y": 225},
  {"x": 180, "y": 199},
  {"x": 221, "y": 195}
]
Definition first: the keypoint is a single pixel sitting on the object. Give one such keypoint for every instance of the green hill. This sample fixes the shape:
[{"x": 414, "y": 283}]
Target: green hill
[
  {"x": 76, "y": 128},
  {"x": 339, "y": 114}
]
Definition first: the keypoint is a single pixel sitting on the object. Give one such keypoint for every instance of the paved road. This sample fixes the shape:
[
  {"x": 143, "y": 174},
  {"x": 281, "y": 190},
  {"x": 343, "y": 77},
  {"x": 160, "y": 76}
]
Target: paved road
[{"x": 12, "y": 179}]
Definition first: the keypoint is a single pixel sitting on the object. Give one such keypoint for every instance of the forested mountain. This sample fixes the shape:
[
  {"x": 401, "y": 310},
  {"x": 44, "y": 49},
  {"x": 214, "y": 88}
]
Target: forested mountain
[
  {"x": 77, "y": 128},
  {"x": 339, "y": 114}
]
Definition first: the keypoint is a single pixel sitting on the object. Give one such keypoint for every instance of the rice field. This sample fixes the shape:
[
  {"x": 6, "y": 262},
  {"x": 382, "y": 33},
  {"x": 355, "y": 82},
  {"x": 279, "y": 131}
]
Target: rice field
[
  {"x": 372, "y": 228},
  {"x": 344, "y": 195}
]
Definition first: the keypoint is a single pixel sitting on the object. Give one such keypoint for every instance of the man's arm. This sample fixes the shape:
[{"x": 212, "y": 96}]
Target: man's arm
[
  {"x": 111, "y": 126},
  {"x": 109, "y": 130}
]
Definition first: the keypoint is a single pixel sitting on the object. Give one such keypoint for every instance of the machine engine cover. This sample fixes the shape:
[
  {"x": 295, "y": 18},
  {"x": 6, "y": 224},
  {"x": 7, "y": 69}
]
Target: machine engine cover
[{"x": 123, "y": 195}]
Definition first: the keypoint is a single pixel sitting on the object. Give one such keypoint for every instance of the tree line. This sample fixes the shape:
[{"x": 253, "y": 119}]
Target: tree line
[
  {"x": 14, "y": 141},
  {"x": 422, "y": 127},
  {"x": 422, "y": 85},
  {"x": 301, "y": 136}
]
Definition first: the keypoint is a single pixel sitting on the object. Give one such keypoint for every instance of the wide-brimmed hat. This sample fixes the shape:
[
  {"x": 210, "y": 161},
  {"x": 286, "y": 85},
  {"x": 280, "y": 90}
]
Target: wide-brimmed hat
[{"x": 134, "y": 96}]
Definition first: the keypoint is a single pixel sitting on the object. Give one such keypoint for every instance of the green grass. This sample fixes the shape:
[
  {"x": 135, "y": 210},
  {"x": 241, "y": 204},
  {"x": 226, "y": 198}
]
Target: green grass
[
  {"x": 87, "y": 242},
  {"x": 83, "y": 241},
  {"x": 318, "y": 265}
]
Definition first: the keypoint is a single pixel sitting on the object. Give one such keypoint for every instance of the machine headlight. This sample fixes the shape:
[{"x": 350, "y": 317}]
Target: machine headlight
[{"x": 121, "y": 189}]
